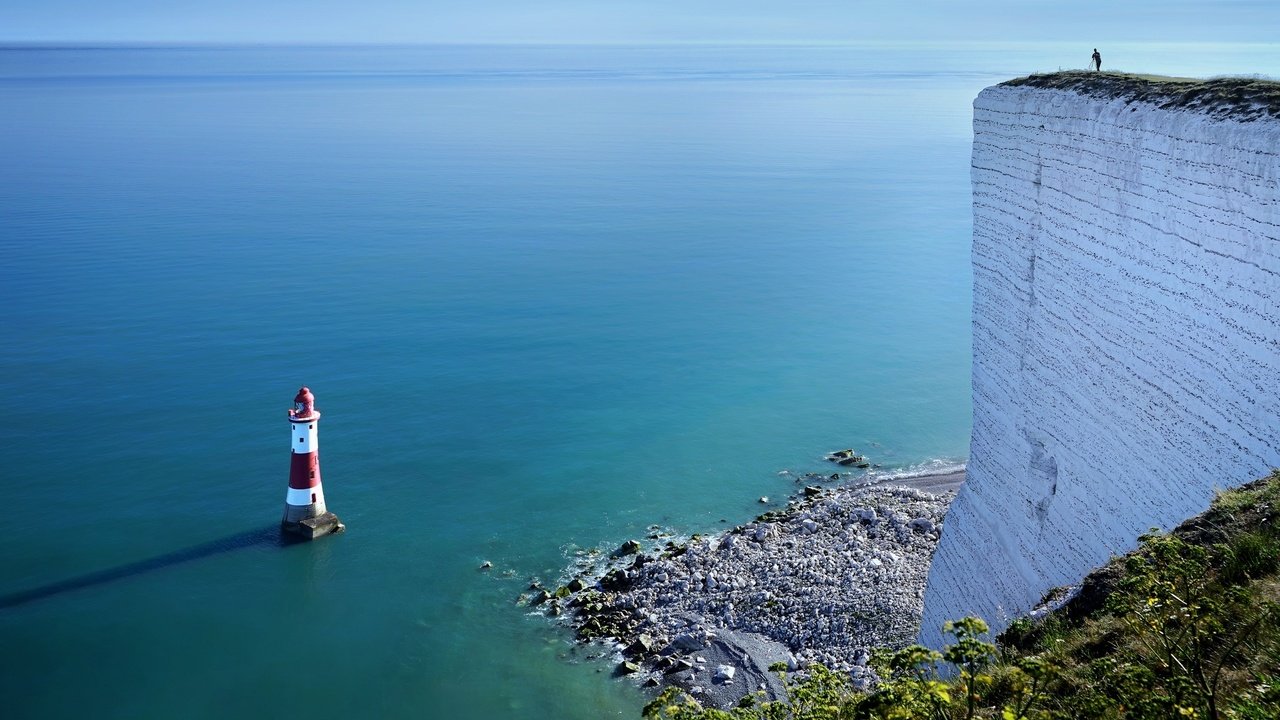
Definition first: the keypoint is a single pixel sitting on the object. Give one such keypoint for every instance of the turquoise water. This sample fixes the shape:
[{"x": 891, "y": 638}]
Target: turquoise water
[{"x": 545, "y": 297}]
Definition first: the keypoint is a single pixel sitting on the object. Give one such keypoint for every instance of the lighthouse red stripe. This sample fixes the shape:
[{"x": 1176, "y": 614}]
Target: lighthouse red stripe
[{"x": 304, "y": 470}]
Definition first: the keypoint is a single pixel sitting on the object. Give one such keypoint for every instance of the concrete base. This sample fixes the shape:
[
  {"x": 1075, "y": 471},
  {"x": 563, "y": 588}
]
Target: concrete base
[
  {"x": 314, "y": 527},
  {"x": 294, "y": 514}
]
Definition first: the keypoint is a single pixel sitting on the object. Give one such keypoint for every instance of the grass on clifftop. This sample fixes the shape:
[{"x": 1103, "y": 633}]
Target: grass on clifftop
[
  {"x": 1187, "y": 626},
  {"x": 1233, "y": 97}
]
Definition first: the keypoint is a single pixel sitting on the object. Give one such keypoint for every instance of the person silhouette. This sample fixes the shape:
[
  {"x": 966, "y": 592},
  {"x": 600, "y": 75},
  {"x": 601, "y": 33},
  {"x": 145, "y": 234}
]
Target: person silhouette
[{"x": 1097, "y": 60}]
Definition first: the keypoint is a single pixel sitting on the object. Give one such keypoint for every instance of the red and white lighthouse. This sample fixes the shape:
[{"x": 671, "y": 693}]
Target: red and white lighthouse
[{"x": 304, "y": 509}]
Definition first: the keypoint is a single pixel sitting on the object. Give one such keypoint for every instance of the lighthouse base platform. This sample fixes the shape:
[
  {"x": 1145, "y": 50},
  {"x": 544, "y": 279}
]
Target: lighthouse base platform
[{"x": 314, "y": 527}]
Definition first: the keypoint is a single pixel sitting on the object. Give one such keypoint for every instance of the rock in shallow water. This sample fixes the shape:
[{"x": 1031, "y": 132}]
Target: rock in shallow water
[{"x": 630, "y": 547}]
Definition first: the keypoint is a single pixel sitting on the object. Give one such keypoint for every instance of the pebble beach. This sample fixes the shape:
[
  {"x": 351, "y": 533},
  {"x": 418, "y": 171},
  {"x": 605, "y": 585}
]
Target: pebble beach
[{"x": 837, "y": 572}]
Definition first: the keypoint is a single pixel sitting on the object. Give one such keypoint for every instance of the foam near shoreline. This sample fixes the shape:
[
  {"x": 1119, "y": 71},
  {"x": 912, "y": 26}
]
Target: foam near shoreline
[{"x": 840, "y": 570}]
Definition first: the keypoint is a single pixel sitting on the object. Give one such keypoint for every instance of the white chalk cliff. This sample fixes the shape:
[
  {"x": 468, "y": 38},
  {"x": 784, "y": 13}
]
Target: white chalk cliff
[{"x": 1126, "y": 335}]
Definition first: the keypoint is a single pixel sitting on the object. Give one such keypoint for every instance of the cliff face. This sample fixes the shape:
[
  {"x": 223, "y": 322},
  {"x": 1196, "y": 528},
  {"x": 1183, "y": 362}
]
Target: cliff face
[{"x": 1126, "y": 334}]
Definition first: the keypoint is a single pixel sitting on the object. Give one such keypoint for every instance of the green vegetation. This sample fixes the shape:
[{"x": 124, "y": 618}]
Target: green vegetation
[
  {"x": 1187, "y": 626},
  {"x": 1239, "y": 98}
]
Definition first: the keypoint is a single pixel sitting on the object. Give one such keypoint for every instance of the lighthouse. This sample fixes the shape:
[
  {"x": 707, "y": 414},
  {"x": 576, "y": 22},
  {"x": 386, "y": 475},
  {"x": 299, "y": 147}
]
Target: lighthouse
[{"x": 305, "y": 514}]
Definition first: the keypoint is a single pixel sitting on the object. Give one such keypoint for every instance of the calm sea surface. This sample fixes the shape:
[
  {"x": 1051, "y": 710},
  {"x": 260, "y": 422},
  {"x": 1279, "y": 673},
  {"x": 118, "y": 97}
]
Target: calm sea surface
[{"x": 545, "y": 296}]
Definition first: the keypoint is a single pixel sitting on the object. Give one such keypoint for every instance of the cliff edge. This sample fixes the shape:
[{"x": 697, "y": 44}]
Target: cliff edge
[
  {"x": 1227, "y": 97},
  {"x": 1126, "y": 325}
]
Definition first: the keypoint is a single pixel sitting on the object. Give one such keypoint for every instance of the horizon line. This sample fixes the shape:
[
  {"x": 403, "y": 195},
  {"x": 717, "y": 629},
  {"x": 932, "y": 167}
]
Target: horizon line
[{"x": 140, "y": 43}]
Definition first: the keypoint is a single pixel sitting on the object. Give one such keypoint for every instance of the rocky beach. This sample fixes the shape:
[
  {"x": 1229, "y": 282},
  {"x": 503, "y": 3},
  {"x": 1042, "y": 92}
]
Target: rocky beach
[{"x": 836, "y": 572}]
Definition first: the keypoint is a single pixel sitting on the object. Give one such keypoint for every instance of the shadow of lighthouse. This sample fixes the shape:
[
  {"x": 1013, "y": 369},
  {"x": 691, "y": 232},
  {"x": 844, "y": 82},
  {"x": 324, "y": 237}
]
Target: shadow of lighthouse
[{"x": 269, "y": 536}]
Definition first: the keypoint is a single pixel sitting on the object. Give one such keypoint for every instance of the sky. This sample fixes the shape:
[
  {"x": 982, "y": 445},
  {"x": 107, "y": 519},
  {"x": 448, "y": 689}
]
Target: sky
[{"x": 635, "y": 21}]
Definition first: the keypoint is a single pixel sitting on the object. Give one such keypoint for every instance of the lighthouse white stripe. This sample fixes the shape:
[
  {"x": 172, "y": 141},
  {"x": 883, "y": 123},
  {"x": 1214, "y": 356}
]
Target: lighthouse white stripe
[
  {"x": 303, "y": 496},
  {"x": 305, "y": 439}
]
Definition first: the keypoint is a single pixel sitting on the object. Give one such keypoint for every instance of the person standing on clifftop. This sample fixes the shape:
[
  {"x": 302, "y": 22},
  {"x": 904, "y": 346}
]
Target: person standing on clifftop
[{"x": 1097, "y": 60}]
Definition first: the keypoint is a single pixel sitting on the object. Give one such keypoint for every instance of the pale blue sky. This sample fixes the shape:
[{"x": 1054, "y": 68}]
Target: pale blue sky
[{"x": 638, "y": 21}]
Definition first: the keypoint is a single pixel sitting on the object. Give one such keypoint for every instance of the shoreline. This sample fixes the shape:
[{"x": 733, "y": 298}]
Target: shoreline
[
  {"x": 838, "y": 571},
  {"x": 944, "y": 482}
]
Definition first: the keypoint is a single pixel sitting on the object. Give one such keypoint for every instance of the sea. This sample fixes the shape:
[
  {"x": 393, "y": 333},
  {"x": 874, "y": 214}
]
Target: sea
[{"x": 547, "y": 298}]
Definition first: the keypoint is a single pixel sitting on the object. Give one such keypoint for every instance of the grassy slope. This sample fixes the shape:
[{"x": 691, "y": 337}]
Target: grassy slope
[
  {"x": 1240, "y": 537},
  {"x": 1238, "y": 98}
]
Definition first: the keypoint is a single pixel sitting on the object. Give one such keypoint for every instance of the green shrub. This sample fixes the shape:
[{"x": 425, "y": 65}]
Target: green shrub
[{"x": 1250, "y": 556}]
